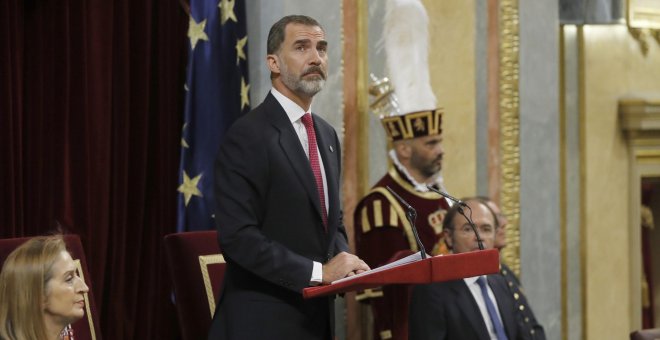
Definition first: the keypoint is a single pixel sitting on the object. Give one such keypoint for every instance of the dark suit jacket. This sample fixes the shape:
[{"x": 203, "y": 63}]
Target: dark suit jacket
[
  {"x": 270, "y": 227},
  {"x": 447, "y": 310}
]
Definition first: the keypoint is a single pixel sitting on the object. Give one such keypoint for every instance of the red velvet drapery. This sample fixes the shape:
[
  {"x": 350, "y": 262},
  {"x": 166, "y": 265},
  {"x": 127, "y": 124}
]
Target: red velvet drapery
[{"x": 91, "y": 98}]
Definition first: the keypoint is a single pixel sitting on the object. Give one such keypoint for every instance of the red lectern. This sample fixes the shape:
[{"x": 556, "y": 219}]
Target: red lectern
[{"x": 432, "y": 269}]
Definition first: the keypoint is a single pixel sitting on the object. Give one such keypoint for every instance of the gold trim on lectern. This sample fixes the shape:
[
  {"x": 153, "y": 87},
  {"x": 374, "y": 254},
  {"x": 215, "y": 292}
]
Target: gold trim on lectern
[{"x": 204, "y": 262}]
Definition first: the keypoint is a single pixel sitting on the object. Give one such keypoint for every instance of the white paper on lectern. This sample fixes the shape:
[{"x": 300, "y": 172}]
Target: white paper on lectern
[{"x": 408, "y": 259}]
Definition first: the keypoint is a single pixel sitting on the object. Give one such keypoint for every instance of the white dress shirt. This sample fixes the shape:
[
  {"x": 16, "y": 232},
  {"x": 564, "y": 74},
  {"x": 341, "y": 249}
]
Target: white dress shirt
[
  {"x": 471, "y": 282},
  {"x": 295, "y": 113}
]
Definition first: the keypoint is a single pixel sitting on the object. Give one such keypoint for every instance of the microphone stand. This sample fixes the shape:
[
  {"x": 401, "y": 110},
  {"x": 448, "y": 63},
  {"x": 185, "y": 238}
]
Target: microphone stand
[
  {"x": 460, "y": 207},
  {"x": 411, "y": 214}
]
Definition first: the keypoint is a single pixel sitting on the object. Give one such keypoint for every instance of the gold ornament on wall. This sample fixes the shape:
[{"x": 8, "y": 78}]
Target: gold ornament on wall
[
  {"x": 640, "y": 35},
  {"x": 644, "y": 22},
  {"x": 656, "y": 35},
  {"x": 510, "y": 129}
]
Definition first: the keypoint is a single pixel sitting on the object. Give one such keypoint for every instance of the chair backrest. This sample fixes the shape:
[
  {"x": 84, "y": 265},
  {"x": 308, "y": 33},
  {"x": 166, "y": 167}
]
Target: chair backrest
[
  {"x": 86, "y": 328},
  {"x": 197, "y": 269},
  {"x": 646, "y": 334}
]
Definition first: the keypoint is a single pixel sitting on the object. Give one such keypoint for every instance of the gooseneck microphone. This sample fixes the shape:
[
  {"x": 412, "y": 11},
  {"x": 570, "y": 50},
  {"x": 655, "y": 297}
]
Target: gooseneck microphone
[
  {"x": 411, "y": 214},
  {"x": 447, "y": 196},
  {"x": 460, "y": 207}
]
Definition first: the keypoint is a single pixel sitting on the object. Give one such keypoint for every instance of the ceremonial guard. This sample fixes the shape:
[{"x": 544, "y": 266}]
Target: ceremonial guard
[
  {"x": 383, "y": 234},
  {"x": 413, "y": 123}
]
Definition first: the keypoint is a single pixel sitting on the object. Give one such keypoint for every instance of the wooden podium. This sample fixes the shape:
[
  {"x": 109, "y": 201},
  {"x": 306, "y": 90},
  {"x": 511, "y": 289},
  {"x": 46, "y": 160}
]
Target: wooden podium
[{"x": 432, "y": 269}]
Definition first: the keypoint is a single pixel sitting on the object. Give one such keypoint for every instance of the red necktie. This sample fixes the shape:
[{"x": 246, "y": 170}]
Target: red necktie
[{"x": 314, "y": 162}]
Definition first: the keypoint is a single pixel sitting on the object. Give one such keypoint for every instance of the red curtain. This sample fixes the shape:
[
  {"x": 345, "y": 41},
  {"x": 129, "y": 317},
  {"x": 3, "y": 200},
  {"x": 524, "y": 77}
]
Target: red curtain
[{"x": 91, "y": 98}]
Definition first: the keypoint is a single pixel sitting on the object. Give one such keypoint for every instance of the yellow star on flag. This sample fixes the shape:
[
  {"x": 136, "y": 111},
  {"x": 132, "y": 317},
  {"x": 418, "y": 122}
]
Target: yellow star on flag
[
  {"x": 189, "y": 187},
  {"x": 227, "y": 11},
  {"x": 240, "y": 53},
  {"x": 196, "y": 31},
  {"x": 183, "y": 141},
  {"x": 245, "y": 99}
]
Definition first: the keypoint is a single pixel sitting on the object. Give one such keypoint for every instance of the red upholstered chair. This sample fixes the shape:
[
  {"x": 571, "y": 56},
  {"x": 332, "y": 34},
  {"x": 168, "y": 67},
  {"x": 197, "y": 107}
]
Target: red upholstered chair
[
  {"x": 197, "y": 270},
  {"x": 86, "y": 328},
  {"x": 646, "y": 334}
]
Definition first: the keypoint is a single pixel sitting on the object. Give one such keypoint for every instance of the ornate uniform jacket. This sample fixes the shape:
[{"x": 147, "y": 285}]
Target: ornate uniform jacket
[
  {"x": 381, "y": 231},
  {"x": 529, "y": 326}
]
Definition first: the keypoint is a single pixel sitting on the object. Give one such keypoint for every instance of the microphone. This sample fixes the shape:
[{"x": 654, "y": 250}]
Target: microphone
[
  {"x": 411, "y": 214},
  {"x": 460, "y": 207},
  {"x": 447, "y": 196}
]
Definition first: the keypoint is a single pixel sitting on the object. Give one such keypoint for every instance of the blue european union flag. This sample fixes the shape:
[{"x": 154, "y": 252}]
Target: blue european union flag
[{"x": 217, "y": 93}]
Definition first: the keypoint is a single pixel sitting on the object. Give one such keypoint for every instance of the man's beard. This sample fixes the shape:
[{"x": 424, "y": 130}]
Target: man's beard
[
  {"x": 298, "y": 84},
  {"x": 428, "y": 169}
]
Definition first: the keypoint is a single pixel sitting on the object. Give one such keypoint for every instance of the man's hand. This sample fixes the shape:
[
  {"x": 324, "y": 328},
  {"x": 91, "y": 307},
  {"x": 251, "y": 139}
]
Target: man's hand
[{"x": 343, "y": 265}]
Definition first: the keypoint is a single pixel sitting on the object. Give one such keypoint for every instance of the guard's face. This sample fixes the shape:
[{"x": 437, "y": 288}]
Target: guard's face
[
  {"x": 302, "y": 59},
  {"x": 65, "y": 302},
  {"x": 462, "y": 239},
  {"x": 426, "y": 155}
]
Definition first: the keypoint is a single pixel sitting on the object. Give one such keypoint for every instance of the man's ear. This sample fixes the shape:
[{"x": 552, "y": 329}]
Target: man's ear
[
  {"x": 446, "y": 235},
  {"x": 273, "y": 62},
  {"x": 402, "y": 149}
]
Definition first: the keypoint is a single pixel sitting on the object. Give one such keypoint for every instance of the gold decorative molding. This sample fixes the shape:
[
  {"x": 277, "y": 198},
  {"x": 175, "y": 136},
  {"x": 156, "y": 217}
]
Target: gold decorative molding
[
  {"x": 204, "y": 262},
  {"x": 648, "y": 156},
  {"x": 362, "y": 88},
  {"x": 562, "y": 179},
  {"x": 643, "y": 14},
  {"x": 355, "y": 172},
  {"x": 643, "y": 18},
  {"x": 510, "y": 128},
  {"x": 656, "y": 35},
  {"x": 640, "y": 121},
  {"x": 640, "y": 35}
]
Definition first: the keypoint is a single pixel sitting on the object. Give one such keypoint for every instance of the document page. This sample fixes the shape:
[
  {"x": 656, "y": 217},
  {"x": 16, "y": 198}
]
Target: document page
[{"x": 408, "y": 259}]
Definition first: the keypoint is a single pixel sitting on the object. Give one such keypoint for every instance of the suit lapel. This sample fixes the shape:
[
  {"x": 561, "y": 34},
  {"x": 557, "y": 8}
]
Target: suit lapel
[
  {"x": 470, "y": 309},
  {"x": 504, "y": 304},
  {"x": 293, "y": 150}
]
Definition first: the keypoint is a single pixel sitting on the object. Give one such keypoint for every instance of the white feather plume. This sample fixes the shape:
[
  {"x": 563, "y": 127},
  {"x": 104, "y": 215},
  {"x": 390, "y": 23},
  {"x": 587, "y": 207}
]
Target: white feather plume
[{"x": 406, "y": 48}]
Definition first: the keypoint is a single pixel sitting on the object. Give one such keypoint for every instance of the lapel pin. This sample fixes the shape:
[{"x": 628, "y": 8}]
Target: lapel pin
[{"x": 332, "y": 149}]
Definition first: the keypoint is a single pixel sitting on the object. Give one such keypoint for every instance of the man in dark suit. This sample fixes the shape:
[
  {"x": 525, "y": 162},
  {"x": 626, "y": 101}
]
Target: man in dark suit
[
  {"x": 531, "y": 328},
  {"x": 278, "y": 210},
  {"x": 473, "y": 308}
]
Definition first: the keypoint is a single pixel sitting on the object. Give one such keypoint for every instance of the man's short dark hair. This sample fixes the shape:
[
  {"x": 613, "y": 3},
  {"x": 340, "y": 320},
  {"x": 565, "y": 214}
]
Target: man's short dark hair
[
  {"x": 448, "y": 222},
  {"x": 277, "y": 31},
  {"x": 485, "y": 200}
]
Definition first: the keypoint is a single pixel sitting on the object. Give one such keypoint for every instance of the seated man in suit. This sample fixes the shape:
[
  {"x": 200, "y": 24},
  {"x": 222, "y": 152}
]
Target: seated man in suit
[
  {"x": 472, "y": 308},
  {"x": 532, "y": 329}
]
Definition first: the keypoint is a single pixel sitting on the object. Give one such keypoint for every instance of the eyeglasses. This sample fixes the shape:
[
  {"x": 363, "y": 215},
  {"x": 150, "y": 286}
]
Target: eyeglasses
[{"x": 484, "y": 229}]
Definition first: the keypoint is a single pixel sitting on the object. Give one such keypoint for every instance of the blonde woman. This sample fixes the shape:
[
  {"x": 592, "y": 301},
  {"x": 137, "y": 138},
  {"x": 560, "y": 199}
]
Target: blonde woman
[{"x": 40, "y": 291}]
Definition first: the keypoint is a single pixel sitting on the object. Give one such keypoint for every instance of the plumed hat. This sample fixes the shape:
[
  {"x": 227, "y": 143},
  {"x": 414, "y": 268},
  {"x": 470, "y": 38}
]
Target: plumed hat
[{"x": 405, "y": 101}]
